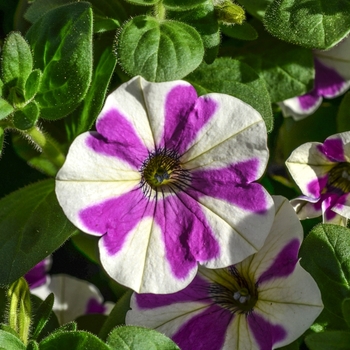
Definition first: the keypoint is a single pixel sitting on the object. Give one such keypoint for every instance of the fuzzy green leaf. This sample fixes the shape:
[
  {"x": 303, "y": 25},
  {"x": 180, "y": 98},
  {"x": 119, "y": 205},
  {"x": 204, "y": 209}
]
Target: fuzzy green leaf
[
  {"x": 17, "y": 61},
  {"x": 182, "y": 5},
  {"x": 343, "y": 116},
  {"x": 62, "y": 44},
  {"x": 5, "y": 108},
  {"x": 316, "y": 24},
  {"x": 159, "y": 50},
  {"x": 32, "y": 84},
  {"x": 234, "y": 78},
  {"x": 325, "y": 254},
  {"x": 138, "y": 338},
  {"x": 245, "y": 31},
  {"x": 77, "y": 340},
  {"x": 26, "y": 117},
  {"x": 256, "y": 8},
  {"x": 32, "y": 226},
  {"x": 10, "y": 342}
]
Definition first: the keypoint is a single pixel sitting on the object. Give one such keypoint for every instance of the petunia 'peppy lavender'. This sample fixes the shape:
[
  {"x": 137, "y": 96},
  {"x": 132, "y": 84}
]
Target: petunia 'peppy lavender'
[
  {"x": 322, "y": 172},
  {"x": 264, "y": 302},
  {"x": 332, "y": 78},
  {"x": 167, "y": 181}
]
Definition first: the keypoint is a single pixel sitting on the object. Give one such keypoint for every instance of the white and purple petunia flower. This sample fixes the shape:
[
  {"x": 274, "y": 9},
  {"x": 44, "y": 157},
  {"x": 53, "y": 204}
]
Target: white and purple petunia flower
[
  {"x": 73, "y": 297},
  {"x": 167, "y": 182},
  {"x": 264, "y": 302},
  {"x": 332, "y": 78},
  {"x": 322, "y": 172}
]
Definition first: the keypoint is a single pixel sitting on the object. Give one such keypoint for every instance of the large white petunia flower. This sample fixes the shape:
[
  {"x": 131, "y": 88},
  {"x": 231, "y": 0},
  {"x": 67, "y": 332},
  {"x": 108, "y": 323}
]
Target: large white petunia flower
[
  {"x": 167, "y": 181},
  {"x": 264, "y": 302}
]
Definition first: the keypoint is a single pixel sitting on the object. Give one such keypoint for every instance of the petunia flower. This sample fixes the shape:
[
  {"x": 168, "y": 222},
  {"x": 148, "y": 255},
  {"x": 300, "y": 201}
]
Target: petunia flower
[
  {"x": 332, "y": 78},
  {"x": 322, "y": 172},
  {"x": 167, "y": 182},
  {"x": 264, "y": 302},
  {"x": 73, "y": 297}
]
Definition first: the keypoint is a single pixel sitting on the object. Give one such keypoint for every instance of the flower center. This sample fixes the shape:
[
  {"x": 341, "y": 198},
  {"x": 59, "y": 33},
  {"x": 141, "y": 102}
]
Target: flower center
[
  {"x": 239, "y": 294},
  {"x": 339, "y": 177},
  {"x": 162, "y": 170}
]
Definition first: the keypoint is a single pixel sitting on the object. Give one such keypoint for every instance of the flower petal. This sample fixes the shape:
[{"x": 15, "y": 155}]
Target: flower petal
[
  {"x": 309, "y": 168},
  {"x": 306, "y": 207},
  {"x": 235, "y": 133}
]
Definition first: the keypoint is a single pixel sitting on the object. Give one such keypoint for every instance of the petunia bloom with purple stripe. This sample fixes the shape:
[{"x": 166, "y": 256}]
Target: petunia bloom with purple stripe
[
  {"x": 322, "y": 172},
  {"x": 332, "y": 78},
  {"x": 168, "y": 182},
  {"x": 264, "y": 302}
]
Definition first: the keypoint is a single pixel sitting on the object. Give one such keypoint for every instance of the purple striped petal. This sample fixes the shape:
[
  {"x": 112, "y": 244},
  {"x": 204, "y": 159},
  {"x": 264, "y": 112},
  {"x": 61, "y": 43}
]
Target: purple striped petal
[
  {"x": 316, "y": 186},
  {"x": 233, "y": 185},
  {"x": 185, "y": 115},
  {"x": 333, "y": 150},
  {"x": 204, "y": 331},
  {"x": 284, "y": 263},
  {"x": 265, "y": 333},
  {"x": 187, "y": 234},
  {"x": 118, "y": 138},
  {"x": 328, "y": 83},
  {"x": 309, "y": 101},
  {"x": 197, "y": 290},
  {"x": 115, "y": 218},
  {"x": 37, "y": 276}
]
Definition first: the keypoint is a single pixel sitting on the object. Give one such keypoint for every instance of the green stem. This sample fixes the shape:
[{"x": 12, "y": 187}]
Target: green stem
[
  {"x": 159, "y": 10},
  {"x": 46, "y": 145}
]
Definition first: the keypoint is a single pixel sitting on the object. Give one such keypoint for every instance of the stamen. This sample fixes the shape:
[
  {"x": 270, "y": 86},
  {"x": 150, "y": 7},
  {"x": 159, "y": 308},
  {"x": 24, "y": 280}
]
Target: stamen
[{"x": 161, "y": 169}]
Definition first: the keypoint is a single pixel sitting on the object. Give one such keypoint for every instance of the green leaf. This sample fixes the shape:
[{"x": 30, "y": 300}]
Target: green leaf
[
  {"x": 234, "y": 78},
  {"x": 10, "y": 342},
  {"x": 38, "y": 318},
  {"x": 42, "y": 315},
  {"x": 316, "y": 24},
  {"x": 5, "y": 108},
  {"x": 325, "y": 254},
  {"x": 244, "y": 31},
  {"x": 256, "y": 8},
  {"x": 139, "y": 338},
  {"x": 39, "y": 7},
  {"x": 288, "y": 70},
  {"x": 83, "y": 119},
  {"x": 335, "y": 340},
  {"x": 105, "y": 24},
  {"x": 117, "y": 315},
  {"x": 17, "y": 61},
  {"x": 37, "y": 225},
  {"x": 343, "y": 115},
  {"x": 204, "y": 20},
  {"x": 182, "y": 5},
  {"x": 78, "y": 340},
  {"x": 159, "y": 50},
  {"x": 67, "y": 327},
  {"x": 62, "y": 44},
  {"x": 346, "y": 310},
  {"x": 32, "y": 345},
  {"x": 143, "y": 2},
  {"x": 26, "y": 117},
  {"x": 32, "y": 84}
]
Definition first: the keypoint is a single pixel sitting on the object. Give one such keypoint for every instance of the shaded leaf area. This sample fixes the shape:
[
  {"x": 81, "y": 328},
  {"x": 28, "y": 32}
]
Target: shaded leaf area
[
  {"x": 325, "y": 254},
  {"x": 62, "y": 46},
  {"x": 159, "y": 50},
  {"x": 245, "y": 31},
  {"x": 316, "y": 24},
  {"x": 288, "y": 70},
  {"x": 234, "y": 78},
  {"x": 343, "y": 116},
  {"x": 335, "y": 340},
  {"x": 32, "y": 226}
]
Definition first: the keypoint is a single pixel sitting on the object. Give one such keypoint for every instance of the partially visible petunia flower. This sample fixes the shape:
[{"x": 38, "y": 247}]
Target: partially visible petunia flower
[
  {"x": 332, "y": 78},
  {"x": 265, "y": 302},
  {"x": 73, "y": 297},
  {"x": 322, "y": 172},
  {"x": 167, "y": 181}
]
